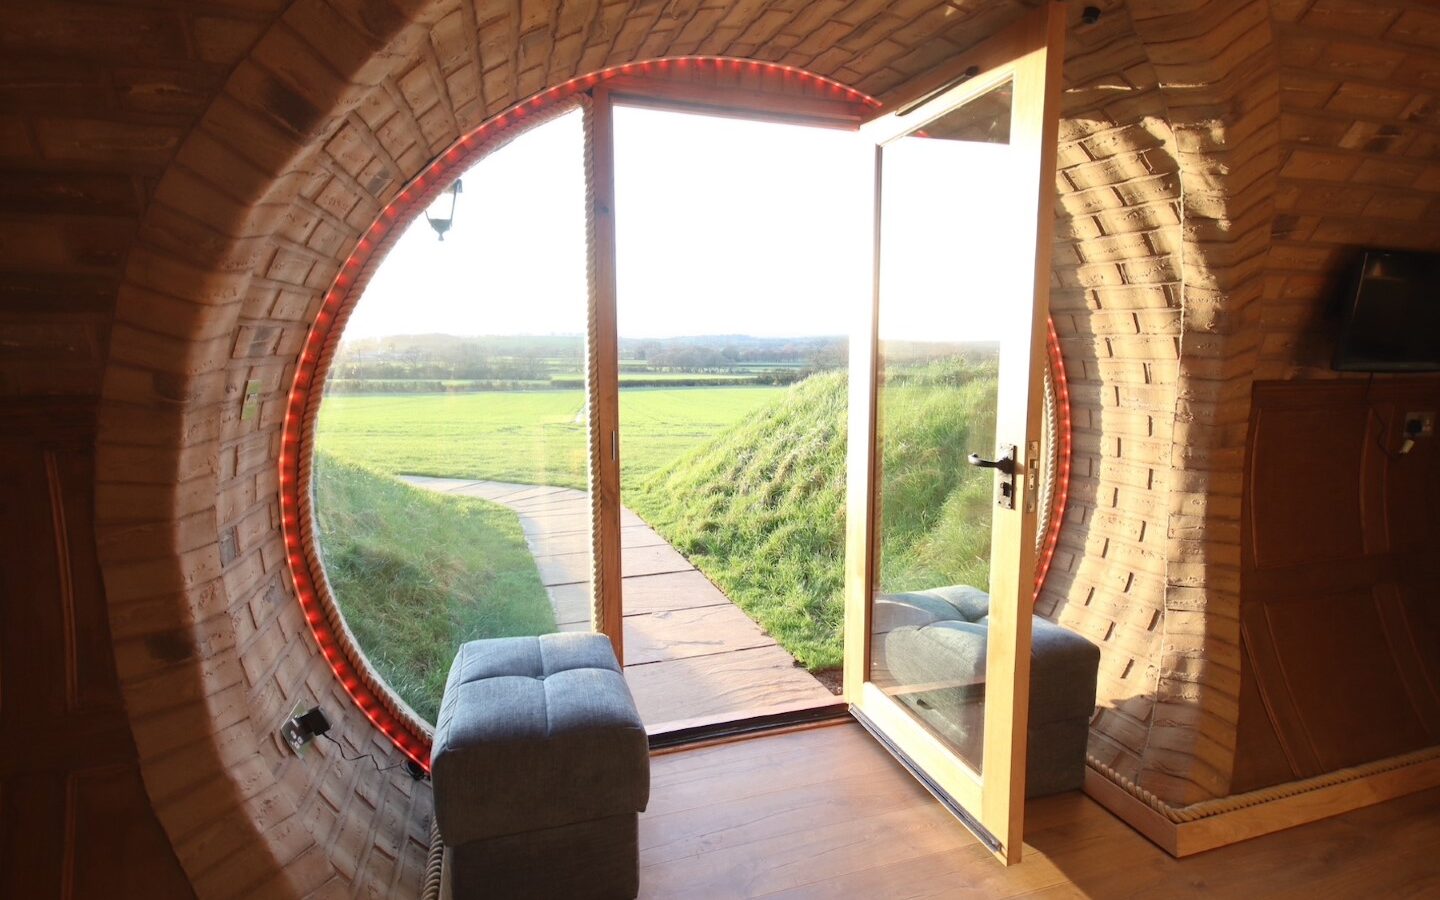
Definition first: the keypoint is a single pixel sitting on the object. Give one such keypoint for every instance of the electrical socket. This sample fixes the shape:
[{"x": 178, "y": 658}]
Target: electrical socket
[
  {"x": 1420, "y": 424},
  {"x": 293, "y": 733}
]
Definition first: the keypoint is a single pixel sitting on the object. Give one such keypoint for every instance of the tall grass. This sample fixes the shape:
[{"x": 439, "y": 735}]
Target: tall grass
[
  {"x": 760, "y": 510},
  {"x": 760, "y": 507},
  {"x": 935, "y": 508},
  {"x": 418, "y": 573}
]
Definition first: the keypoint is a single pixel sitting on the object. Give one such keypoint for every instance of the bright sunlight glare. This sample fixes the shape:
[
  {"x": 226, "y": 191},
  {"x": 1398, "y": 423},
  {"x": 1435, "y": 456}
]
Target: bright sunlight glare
[{"x": 724, "y": 226}]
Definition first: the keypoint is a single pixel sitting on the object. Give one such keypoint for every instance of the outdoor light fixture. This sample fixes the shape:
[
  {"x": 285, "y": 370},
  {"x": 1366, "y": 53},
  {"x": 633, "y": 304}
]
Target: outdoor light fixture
[{"x": 441, "y": 211}]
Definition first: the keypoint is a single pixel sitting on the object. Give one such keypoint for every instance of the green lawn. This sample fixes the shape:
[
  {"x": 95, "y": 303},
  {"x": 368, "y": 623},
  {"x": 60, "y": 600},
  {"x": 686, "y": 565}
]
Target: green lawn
[
  {"x": 535, "y": 437},
  {"x": 747, "y": 482},
  {"x": 682, "y": 376},
  {"x": 418, "y": 573}
]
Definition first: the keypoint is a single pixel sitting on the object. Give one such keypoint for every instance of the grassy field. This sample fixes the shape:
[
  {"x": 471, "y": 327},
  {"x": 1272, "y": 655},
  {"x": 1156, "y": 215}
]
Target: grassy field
[
  {"x": 535, "y": 437},
  {"x": 418, "y": 573},
  {"x": 747, "y": 482}
]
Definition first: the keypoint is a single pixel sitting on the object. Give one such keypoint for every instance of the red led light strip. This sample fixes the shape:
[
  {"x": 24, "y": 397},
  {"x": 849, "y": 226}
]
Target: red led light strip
[
  {"x": 348, "y": 286},
  {"x": 346, "y": 289},
  {"x": 1062, "y": 456}
]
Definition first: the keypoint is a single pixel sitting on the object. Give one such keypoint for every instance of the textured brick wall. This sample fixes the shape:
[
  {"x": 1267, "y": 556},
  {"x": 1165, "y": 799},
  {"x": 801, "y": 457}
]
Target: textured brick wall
[
  {"x": 182, "y": 183},
  {"x": 1360, "y": 161},
  {"x": 240, "y": 236},
  {"x": 1116, "y": 301}
]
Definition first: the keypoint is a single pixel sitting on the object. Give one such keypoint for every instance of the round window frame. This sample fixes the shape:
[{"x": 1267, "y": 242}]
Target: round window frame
[{"x": 376, "y": 699}]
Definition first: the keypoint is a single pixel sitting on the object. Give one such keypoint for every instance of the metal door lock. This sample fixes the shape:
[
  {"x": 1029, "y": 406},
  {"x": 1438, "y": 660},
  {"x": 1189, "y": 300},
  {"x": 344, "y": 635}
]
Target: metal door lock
[{"x": 1005, "y": 466}]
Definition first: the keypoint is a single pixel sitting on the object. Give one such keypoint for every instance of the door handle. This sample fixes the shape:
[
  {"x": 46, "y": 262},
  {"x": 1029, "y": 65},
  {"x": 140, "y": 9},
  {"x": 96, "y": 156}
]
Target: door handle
[{"x": 1005, "y": 465}]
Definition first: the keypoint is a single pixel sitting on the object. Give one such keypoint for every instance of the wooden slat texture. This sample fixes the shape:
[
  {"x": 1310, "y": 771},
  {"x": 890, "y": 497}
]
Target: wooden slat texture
[
  {"x": 827, "y": 813},
  {"x": 1341, "y": 660},
  {"x": 75, "y": 820},
  {"x": 1218, "y": 159}
]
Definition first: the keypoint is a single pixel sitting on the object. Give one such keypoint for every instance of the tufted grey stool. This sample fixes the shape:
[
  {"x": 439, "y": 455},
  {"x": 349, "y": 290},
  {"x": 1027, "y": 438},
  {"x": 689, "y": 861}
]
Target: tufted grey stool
[{"x": 541, "y": 767}]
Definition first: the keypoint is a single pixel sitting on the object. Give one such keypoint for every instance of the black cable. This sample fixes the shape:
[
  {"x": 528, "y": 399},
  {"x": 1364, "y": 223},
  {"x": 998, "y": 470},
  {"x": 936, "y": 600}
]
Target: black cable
[
  {"x": 1379, "y": 440},
  {"x": 350, "y": 758}
]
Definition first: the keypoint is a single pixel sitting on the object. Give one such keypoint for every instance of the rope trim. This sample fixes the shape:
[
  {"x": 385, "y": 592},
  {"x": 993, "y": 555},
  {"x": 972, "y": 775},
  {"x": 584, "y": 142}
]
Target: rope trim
[
  {"x": 1050, "y": 441},
  {"x": 592, "y": 362},
  {"x": 434, "y": 865},
  {"x": 1218, "y": 805},
  {"x": 1055, "y": 486}
]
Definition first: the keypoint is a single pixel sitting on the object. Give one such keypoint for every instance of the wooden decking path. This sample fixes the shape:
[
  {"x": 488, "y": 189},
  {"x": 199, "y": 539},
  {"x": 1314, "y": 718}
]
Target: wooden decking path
[{"x": 689, "y": 652}]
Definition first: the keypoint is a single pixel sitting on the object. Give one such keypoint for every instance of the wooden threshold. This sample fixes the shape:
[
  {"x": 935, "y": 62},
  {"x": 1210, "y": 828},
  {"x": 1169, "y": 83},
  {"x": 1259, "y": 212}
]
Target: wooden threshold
[
  {"x": 1181, "y": 839},
  {"x": 707, "y": 731}
]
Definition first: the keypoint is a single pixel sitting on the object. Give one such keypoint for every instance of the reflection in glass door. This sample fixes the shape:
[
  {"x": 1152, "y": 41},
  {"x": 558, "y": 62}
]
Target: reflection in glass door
[
  {"x": 945, "y": 259},
  {"x": 940, "y": 558}
]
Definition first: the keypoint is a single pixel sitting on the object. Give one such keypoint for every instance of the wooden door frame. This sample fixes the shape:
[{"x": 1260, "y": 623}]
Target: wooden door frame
[
  {"x": 1031, "y": 52},
  {"x": 603, "y": 359}
]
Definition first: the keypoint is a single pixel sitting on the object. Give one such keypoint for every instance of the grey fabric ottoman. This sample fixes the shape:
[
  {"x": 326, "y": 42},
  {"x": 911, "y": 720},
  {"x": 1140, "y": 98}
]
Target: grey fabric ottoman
[{"x": 541, "y": 766}]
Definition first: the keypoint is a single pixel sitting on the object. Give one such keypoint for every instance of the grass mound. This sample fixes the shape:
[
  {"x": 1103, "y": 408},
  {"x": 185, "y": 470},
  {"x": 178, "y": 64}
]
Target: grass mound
[
  {"x": 418, "y": 573},
  {"x": 760, "y": 508}
]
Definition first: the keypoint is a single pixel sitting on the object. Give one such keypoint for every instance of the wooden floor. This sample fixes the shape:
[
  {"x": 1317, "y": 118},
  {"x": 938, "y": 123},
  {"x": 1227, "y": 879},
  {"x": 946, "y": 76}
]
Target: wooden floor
[
  {"x": 689, "y": 652},
  {"x": 827, "y": 813}
]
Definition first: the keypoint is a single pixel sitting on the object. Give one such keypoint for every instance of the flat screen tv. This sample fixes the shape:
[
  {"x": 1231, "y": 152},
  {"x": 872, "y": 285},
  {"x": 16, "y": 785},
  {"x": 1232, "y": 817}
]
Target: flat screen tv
[{"x": 1392, "y": 314}]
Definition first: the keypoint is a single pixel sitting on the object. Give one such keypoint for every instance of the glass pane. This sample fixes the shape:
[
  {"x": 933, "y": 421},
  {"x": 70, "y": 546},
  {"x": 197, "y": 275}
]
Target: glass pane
[
  {"x": 948, "y": 268},
  {"x": 450, "y": 487}
]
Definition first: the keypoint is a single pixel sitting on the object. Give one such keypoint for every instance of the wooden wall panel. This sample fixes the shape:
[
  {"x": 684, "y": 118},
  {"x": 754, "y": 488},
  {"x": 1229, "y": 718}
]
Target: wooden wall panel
[
  {"x": 1410, "y": 488},
  {"x": 75, "y": 820},
  {"x": 1299, "y": 510},
  {"x": 1342, "y": 679},
  {"x": 1340, "y": 609},
  {"x": 1411, "y": 617}
]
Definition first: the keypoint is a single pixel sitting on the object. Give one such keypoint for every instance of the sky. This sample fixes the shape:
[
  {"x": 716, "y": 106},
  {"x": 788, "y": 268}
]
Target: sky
[{"x": 724, "y": 226}]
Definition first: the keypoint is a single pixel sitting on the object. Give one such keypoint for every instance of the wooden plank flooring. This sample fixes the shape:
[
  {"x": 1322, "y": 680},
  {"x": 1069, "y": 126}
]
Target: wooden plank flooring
[
  {"x": 689, "y": 652},
  {"x": 827, "y": 813}
]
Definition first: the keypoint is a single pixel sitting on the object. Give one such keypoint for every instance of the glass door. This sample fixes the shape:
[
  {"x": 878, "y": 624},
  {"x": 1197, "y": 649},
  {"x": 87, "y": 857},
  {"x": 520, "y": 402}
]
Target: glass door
[{"x": 944, "y": 468}]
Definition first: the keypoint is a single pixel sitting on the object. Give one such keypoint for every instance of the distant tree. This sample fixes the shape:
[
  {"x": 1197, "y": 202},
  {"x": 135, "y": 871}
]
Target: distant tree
[{"x": 826, "y": 357}]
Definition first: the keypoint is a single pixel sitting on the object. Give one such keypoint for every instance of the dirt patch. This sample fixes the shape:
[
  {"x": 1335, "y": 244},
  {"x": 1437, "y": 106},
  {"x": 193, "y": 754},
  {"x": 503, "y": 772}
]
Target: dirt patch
[{"x": 833, "y": 679}]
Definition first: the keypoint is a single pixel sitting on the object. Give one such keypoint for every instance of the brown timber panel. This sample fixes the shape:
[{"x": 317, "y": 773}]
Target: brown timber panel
[
  {"x": 74, "y": 816},
  {"x": 1304, "y": 500},
  {"x": 1339, "y": 594}
]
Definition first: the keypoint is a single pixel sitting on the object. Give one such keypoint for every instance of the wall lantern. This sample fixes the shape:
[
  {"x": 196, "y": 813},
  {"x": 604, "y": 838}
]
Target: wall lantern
[{"x": 441, "y": 211}]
